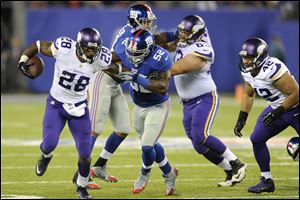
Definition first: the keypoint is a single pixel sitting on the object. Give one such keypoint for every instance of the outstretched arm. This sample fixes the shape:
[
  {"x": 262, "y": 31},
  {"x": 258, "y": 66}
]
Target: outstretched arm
[
  {"x": 188, "y": 64},
  {"x": 167, "y": 40}
]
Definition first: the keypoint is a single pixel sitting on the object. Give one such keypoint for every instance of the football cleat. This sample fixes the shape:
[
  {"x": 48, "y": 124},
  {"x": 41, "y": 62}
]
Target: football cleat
[
  {"x": 91, "y": 184},
  {"x": 140, "y": 183},
  {"x": 265, "y": 185},
  {"x": 170, "y": 181},
  {"x": 227, "y": 182},
  {"x": 42, "y": 165},
  {"x": 239, "y": 171},
  {"x": 82, "y": 193},
  {"x": 100, "y": 172}
]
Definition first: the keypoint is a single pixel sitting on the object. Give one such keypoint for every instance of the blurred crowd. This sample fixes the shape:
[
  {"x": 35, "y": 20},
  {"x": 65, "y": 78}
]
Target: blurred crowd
[{"x": 11, "y": 46}]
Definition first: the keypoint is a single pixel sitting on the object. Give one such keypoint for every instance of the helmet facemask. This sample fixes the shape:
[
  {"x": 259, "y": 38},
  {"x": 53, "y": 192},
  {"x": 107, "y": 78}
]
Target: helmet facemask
[
  {"x": 257, "y": 59},
  {"x": 88, "y": 53},
  {"x": 139, "y": 46},
  {"x": 142, "y": 17},
  {"x": 89, "y": 44},
  {"x": 190, "y": 30}
]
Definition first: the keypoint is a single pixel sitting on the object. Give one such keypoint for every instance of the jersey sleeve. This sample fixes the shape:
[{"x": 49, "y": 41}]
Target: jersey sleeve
[
  {"x": 62, "y": 46},
  {"x": 275, "y": 70},
  {"x": 165, "y": 63},
  {"x": 119, "y": 36},
  {"x": 105, "y": 57},
  {"x": 202, "y": 50}
]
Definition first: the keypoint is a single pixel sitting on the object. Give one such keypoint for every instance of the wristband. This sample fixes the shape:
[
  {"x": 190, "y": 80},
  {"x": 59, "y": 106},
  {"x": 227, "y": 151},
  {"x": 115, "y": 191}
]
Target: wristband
[
  {"x": 142, "y": 81},
  {"x": 38, "y": 44},
  {"x": 243, "y": 116},
  {"x": 119, "y": 67},
  {"x": 24, "y": 58}
]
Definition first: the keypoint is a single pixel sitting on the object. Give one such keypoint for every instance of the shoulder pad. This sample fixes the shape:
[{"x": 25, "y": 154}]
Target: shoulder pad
[
  {"x": 202, "y": 50},
  {"x": 273, "y": 69},
  {"x": 63, "y": 44}
]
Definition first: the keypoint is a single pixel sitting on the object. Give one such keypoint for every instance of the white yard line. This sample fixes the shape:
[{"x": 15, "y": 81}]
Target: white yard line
[
  {"x": 176, "y": 142},
  {"x": 138, "y": 166}
]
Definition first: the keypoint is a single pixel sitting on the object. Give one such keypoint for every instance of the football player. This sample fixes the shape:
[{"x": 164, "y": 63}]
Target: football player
[
  {"x": 269, "y": 78},
  {"x": 76, "y": 63},
  {"x": 196, "y": 88},
  {"x": 106, "y": 95},
  {"x": 149, "y": 82}
]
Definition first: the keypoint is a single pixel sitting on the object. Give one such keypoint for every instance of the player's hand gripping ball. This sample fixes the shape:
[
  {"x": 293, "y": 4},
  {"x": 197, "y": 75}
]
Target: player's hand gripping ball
[{"x": 32, "y": 68}]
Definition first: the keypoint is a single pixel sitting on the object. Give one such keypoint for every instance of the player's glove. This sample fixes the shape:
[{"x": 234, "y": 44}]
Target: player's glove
[
  {"x": 23, "y": 67},
  {"x": 134, "y": 76},
  {"x": 240, "y": 123},
  {"x": 273, "y": 115},
  {"x": 155, "y": 75},
  {"x": 128, "y": 75}
]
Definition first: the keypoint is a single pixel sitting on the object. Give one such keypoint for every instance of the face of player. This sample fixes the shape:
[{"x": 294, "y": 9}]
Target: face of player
[
  {"x": 248, "y": 61},
  {"x": 90, "y": 52},
  {"x": 149, "y": 24}
]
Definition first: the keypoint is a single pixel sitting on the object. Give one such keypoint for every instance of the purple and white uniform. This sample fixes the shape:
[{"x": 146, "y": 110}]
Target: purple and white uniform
[
  {"x": 68, "y": 96},
  {"x": 262, "y": 84}
]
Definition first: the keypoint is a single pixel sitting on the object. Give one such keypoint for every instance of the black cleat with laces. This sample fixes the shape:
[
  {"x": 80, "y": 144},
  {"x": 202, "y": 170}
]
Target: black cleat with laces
[
  {"x": 82, "y": 193},
  {"x": 42, "y": 165}
]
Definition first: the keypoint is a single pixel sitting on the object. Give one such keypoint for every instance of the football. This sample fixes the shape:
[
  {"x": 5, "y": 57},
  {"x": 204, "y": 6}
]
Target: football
[
  {"x": 38, "y": 66},
  {"x": 293, "y": 148}
]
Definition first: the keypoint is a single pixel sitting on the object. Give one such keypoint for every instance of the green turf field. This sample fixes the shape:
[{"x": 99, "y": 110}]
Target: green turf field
[{"x": 21, "y": 125}]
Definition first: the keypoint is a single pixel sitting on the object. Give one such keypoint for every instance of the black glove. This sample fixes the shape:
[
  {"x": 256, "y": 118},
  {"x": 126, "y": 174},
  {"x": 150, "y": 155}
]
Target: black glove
[
  {"x": 23, "y": 67},
  {"x": 273, "y": 115},
  {"x": 240, "y": 123}
]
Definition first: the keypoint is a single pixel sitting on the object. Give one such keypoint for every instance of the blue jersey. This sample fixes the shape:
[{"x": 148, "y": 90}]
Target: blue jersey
[
  {"x": 158, "y": 60},
  {"x": 122, "y": 36}
]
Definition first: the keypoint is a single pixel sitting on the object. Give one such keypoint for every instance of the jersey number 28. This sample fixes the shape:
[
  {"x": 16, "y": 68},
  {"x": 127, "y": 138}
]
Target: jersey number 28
[{"x": 69, "y": 77}]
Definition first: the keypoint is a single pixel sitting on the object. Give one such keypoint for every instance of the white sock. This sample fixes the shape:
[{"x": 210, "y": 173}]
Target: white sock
[
  {"x": 228, "y": 155},
  {"x": 105, "y": 154},
  {"x": 163, "y": 163},
  {"x": 266, "y": 175},
  {"x": 82, "y": 181},
  {"x": 224, "y": 164}
]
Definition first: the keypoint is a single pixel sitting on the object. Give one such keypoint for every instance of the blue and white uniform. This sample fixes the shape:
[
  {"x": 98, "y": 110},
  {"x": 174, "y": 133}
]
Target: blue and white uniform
[{"x": 151, "y": 109}]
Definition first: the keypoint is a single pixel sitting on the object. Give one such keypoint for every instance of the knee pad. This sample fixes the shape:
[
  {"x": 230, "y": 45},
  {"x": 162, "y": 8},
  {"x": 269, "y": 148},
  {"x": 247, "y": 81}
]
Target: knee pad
[{"x": 147, "y": 149}]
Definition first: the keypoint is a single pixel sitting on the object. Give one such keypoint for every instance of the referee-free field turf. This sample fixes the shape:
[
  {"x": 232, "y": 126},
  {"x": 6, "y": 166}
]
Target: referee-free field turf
[{"x": 21, "y": 125}]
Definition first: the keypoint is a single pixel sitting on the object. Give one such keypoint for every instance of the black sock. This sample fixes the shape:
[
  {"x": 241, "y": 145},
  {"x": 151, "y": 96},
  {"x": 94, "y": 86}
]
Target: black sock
[{"x": 100, "y": 162}]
